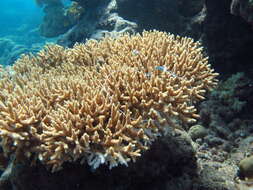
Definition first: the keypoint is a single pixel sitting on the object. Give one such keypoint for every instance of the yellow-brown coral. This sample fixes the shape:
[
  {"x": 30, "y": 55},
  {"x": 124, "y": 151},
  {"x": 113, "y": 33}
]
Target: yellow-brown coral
[{"x": 101, "y": 102}]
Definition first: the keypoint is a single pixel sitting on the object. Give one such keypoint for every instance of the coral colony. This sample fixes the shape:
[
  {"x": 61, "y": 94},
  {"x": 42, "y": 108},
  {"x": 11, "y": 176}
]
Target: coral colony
[{"x": 101, "y": 102}]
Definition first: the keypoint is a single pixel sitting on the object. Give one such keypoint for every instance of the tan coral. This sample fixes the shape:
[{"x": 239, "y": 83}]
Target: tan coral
[{"x": 101, "y": 102}]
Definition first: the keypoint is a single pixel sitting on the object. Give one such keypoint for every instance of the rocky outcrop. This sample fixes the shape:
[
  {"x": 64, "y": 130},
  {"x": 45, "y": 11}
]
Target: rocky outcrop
[
  {"x": 243, "y": 8},
  {"x": 228, "y": 39}
]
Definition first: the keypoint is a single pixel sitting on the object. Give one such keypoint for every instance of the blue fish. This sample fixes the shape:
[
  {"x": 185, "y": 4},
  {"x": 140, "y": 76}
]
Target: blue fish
[{"x": 164, "y": 69}]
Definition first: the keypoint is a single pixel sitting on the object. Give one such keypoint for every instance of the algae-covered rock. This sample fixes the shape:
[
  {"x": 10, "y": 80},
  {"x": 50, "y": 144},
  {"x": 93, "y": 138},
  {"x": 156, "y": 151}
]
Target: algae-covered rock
[
  {"x": 246, "y": 167},
  {"x": 197, "y": 131}
]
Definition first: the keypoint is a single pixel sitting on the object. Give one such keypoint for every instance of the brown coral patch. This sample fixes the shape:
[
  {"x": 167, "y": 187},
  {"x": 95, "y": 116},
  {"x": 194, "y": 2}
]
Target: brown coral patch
[{"x": 101, "y": 102}]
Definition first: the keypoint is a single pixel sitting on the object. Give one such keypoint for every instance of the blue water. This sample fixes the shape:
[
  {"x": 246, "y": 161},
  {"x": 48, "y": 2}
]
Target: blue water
[
  {"x": 19, "y": 22},
  {"x": 19, "y": 29},
  {"x": 19, "y": 16}
]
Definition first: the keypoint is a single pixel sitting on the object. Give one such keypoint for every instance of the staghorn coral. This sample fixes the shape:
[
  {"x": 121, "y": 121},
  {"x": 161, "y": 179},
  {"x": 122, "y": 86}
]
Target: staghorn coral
[{"x": 101, "y": 102}]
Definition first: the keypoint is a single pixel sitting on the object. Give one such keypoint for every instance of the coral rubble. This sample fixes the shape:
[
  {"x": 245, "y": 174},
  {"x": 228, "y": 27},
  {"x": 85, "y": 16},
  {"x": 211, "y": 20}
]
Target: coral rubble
[{"x": 101, "y": 102}]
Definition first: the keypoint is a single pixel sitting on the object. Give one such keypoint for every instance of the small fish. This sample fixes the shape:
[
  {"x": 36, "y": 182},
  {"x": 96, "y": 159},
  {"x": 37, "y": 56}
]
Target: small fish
[
  {"x": 164, "y": 69},
  {"x": 135, "y": 52},
  {"x": 161, "y": 68}
]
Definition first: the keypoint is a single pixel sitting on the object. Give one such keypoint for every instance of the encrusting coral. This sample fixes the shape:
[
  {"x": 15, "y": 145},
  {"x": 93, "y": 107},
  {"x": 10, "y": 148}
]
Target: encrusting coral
[{"x": 101, "y": 102}]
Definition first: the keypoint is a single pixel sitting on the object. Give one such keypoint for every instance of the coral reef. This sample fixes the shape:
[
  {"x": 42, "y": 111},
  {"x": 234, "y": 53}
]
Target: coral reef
[
  {"x": 227, "y": 38},
  {"x": 228, "y": 107},
  {"x": 227, "y": 116},
  {"x": 111, "y": 17},
  {"x": 101, "y": 102}
]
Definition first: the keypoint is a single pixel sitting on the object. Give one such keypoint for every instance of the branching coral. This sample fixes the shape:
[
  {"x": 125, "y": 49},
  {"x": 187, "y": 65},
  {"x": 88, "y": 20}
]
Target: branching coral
[{"x": 101, "y": 102}]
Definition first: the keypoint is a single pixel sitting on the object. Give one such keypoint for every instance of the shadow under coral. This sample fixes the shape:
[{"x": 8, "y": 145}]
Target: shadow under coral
[{"x": 169, "y": 164}]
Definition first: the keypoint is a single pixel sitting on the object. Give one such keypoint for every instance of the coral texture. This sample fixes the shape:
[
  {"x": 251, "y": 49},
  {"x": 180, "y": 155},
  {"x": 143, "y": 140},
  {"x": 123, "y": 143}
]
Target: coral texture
[{"x": 101, "y": 102}]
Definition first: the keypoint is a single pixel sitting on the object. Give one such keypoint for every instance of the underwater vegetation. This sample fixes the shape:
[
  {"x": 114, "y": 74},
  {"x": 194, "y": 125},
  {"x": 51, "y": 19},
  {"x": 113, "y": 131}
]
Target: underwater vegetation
[{"x": 101, "y": 102}]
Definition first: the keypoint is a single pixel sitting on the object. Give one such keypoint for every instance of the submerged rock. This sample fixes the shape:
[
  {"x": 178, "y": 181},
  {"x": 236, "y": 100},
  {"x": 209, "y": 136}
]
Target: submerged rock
[
  {"x": 197, "y": 131},
  {"x": 246, "y": 167}
]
